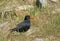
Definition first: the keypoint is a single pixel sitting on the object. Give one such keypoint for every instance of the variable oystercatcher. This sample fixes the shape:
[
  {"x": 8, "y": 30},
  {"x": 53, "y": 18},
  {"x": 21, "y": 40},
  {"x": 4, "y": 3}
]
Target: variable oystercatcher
[
  {"x": 38, "y": 3},
  {"x": 23, "y": 26}
]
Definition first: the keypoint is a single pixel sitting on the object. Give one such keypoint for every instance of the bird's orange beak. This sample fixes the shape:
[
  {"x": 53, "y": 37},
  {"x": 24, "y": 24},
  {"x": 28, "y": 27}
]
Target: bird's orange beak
[{"x": 31, "y": 17}]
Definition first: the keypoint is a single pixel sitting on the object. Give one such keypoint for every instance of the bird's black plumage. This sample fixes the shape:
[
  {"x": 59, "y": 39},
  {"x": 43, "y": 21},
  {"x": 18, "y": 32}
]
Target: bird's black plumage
[
  {"x": 38, "y": 3},
  {"x": 23, "y": 26}
]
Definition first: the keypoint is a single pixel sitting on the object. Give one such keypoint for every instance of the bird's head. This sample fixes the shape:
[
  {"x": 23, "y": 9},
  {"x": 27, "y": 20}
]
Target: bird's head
[{"x": 28, "y": 17}]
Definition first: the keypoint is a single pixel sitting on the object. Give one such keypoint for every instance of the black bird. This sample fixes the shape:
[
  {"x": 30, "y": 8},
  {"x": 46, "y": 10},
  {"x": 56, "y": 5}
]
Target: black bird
[
  {"x": 23, "y": 26},
  {"x": 38, "y": 4}
]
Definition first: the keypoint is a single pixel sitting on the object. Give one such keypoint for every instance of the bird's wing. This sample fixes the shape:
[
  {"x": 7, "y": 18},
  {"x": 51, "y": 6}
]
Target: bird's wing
[{"x": 20, "y": 25}]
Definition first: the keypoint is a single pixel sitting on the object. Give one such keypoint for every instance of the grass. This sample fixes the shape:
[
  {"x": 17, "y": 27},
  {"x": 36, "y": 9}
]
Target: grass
[{"x": 45, "y": 25}]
